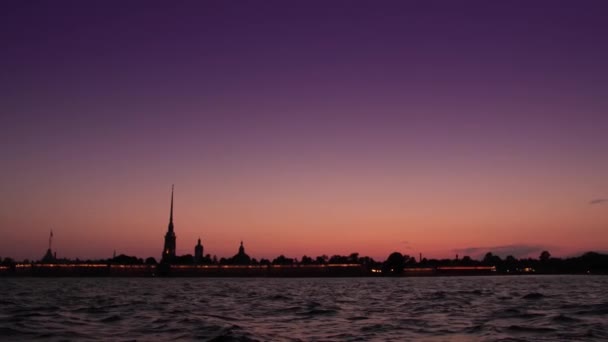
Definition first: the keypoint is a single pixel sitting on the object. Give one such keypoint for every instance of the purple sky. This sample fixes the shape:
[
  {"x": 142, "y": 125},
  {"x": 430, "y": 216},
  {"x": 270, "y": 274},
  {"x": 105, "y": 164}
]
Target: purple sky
[{"x": 304, "y": 127}]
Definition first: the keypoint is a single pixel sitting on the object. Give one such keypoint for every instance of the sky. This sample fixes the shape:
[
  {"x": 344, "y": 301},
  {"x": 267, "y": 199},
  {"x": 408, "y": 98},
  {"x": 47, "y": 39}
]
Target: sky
[{"x": 304, "y": 127}]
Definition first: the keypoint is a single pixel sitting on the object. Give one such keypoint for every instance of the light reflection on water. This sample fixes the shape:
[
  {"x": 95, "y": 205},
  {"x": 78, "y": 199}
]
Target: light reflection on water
[{"x": 527, "y": 308}]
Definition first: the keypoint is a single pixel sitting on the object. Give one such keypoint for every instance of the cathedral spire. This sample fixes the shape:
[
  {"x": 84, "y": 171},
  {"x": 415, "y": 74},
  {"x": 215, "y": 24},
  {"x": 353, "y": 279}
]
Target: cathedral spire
[
  {"x": 168, "y": 255},
  {"x": 171, "y": 212}
]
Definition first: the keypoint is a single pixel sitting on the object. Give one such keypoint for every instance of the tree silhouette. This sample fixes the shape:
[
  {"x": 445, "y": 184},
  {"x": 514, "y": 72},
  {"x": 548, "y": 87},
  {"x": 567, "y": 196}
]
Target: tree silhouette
[
  {"x": 322, "y": 260},
  {"x": 466, "y": 261},
  {"x": 394, "y": 264},
  {"x": 306, "y": 260},
  {"x": 282, "y": 260},
  {"x": 545, "y": 256}
]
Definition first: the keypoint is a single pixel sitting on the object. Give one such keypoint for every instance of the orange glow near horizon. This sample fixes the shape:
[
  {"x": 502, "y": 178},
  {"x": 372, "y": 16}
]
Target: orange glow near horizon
[{"x": 323, "y": 224}]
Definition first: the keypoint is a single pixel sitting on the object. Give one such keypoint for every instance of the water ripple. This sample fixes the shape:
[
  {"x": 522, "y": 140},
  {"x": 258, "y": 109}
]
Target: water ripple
[{"x": 355, "y": 309}]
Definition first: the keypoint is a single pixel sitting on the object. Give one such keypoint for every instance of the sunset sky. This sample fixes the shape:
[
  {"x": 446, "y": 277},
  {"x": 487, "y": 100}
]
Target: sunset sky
[{"x": 304, "y": 127}]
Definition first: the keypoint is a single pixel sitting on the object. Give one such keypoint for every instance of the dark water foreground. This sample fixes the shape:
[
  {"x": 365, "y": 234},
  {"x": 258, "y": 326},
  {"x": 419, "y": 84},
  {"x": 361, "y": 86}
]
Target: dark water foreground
[{"x": 519, "y": 308}]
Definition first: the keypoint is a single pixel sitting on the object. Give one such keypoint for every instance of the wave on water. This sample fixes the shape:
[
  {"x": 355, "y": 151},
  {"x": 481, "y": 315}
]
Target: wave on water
[
  {"x": 533, "y": 295},
  {"x": 527, "y": 308}
]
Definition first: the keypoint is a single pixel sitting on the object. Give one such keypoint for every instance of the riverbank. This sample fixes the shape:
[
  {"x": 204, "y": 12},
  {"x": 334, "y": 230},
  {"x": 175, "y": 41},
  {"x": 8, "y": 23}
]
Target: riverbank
[{"x": 165, "y": 270}]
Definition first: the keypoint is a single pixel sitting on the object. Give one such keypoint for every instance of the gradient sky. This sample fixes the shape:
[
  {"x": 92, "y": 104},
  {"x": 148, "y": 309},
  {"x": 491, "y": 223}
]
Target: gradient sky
[{"x": 304, "y": 127}]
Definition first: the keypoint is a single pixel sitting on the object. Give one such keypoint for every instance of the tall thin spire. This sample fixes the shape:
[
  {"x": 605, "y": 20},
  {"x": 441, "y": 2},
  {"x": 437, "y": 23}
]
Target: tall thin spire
[
  {"x": 171, "y": 214},
  {"x": 171, "y": 211},
  {"x": 169, "y": 248}
]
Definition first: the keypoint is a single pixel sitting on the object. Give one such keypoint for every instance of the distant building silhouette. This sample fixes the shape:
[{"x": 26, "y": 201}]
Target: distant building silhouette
[
  {"x": 198, "y": 252},
  {"x": 49, "y": 257},
  {"x": 168, "y": 255},
  {"x": 241, "y": 258}
]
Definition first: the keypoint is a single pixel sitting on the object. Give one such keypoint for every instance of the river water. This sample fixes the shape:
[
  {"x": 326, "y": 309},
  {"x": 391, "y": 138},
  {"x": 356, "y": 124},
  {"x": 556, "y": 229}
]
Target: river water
[{"x": 509, "y": 308}]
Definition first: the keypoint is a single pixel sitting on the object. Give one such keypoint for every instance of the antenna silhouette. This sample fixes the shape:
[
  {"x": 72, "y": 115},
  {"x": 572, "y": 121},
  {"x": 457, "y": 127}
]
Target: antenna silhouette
[{"x": 51, "y": 239}]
